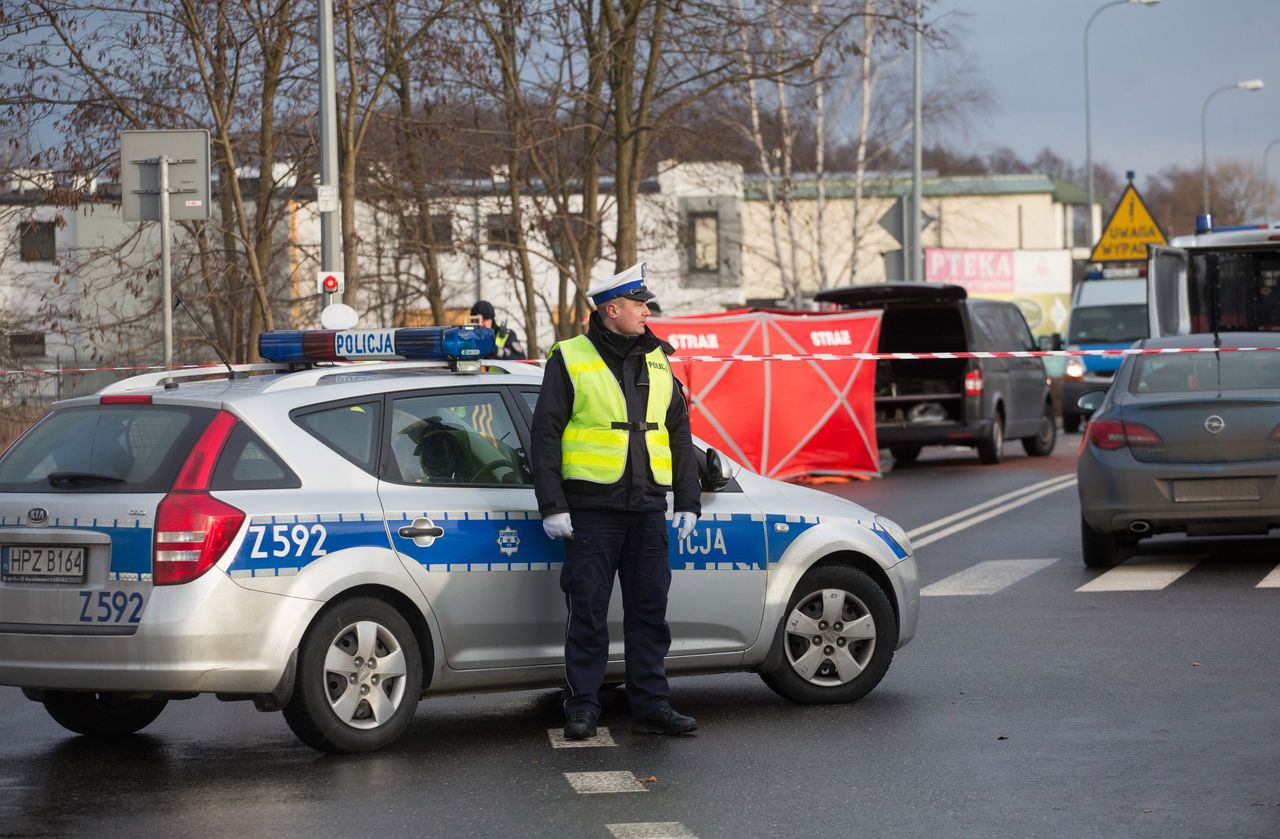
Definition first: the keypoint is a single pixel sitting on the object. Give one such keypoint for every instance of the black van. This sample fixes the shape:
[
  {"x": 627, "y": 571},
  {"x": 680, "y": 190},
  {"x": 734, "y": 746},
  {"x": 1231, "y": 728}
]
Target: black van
[{"x": 975, "y": 402}]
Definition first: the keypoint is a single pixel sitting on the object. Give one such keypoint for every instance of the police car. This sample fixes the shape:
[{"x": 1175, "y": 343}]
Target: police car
[{"x": 337, "y": 540}]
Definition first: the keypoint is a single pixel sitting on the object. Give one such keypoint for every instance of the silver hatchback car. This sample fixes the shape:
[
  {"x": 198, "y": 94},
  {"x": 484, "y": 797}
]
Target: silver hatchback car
[{"x": 337, "y": 541}]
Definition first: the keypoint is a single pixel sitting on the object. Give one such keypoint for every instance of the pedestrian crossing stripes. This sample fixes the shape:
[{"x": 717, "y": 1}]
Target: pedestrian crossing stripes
[
  {"x": 986, "y": 577},
  {"x": 591, "y": 783},
  {"x": 650, "y": 830},
  {"x": 603, "y": 738},
  {"x": 1145, "y": 576},
  {"x": 1139, "y": 574}
]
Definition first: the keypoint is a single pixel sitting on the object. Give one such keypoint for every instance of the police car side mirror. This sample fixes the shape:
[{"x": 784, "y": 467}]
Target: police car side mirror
[{"x": 714, "y": 471}]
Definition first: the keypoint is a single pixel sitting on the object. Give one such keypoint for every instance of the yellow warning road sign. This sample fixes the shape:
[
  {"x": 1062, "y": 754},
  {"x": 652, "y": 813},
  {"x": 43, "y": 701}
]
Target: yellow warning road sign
[{"x": 1129, "y": 230}]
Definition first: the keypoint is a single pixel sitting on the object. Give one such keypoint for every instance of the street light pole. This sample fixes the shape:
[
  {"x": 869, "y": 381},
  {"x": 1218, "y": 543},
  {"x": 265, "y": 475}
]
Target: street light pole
[
  {"x": 1205, "y": 222},
  {"x": 1088, "y": 132}
]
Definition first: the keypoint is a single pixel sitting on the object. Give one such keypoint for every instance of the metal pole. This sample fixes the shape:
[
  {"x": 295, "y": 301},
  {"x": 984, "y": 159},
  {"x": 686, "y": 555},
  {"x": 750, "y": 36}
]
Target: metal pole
[
  {"x": 166, "y": 274},
  {"x": 916, "y": 271},
  {"x": 330, "y": 234},
  {"x": 1088, "y": 127},
  {"x": 1267, "y": 151}
]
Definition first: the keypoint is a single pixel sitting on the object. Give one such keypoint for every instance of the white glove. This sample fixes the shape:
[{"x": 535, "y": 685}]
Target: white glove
[
  {"x": 683, "y": 523},
  {"x": 558, "y": 526}
]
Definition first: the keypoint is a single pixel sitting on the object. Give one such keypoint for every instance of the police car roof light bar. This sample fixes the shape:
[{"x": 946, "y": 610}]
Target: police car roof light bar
[{"x": 424, "y": 343}]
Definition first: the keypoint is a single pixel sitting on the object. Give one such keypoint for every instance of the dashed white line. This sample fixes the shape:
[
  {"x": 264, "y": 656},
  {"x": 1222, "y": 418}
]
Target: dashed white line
[
  {"x": 591, "y": 783},
  {"x": 986, "y": 577},
  {"x": 1143, "y": 576},
  {"x": 650, "y": 830},
  {"x": 1272, "y": 580},
  {"x": 602, "y": 738}
]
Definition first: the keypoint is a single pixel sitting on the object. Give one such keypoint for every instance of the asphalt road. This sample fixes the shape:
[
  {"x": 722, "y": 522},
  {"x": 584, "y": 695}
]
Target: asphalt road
[{"x": 1024, "y": 707}]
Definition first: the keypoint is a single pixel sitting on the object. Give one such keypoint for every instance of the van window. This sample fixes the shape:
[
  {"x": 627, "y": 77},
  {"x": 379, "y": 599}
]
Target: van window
[
  {"x": 104, "y": 448},
  {"x": 1108, "y": 324},
  {"x": 990, "y": 328}
]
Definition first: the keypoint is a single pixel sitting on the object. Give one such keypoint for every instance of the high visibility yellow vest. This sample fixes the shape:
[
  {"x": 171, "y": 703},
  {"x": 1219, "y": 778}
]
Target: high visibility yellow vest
[{"x": 594, "y": 445}]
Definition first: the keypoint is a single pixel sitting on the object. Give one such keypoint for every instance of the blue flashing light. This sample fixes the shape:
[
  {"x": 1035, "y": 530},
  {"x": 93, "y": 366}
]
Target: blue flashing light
[{"x": 426, "y": 343}]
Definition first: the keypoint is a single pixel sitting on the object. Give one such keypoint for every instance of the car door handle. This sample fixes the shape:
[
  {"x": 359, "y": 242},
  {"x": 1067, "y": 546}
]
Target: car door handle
[{"x": 411, "y": 532}]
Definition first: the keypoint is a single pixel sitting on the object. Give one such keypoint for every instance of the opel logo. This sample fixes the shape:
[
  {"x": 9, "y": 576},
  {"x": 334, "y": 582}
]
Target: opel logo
[
  {"x": 1214, "y": 424},
  {"x": 37, "y": 515}
]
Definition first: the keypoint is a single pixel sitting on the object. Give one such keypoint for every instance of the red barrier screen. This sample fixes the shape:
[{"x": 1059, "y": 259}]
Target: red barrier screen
[{"x": 784, "y": 419}]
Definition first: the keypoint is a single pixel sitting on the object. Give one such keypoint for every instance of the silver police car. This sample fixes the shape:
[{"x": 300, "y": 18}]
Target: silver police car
[{"x": 336, "y": 541}]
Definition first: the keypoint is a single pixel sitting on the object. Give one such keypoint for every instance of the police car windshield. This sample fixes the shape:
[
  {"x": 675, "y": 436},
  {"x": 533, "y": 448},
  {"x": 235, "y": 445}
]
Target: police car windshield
[
  {"x": 1108, "y": 324},
  {"x": 103, "y": 448}
]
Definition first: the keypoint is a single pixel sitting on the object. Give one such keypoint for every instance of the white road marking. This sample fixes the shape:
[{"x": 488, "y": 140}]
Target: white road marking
[
  {"x": 650, "y": 830},
  {"x": 602, "y": 738},
  {"x": 1144, "y": 576},
  {"x": 973, "y": 516},
  {"x": 589, "y": 783},
  {"x": 1272, "y": 580},
  {"x": 986, "y": 577}
]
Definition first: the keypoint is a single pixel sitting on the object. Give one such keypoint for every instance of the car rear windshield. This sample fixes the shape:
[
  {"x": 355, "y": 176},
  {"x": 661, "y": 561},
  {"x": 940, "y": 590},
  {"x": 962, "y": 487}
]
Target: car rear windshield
[
  {"x": 1190, "y": 372},
  {"x": 104, "y": 448},
  {"x": 1108, "y": 324}
]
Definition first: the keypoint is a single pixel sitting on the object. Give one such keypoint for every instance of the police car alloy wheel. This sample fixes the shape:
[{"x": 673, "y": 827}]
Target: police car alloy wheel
[
  {"x": 837, "y": 638},
  {"x": 101, "y": 714},
  {"x": 359, "y": 678}
]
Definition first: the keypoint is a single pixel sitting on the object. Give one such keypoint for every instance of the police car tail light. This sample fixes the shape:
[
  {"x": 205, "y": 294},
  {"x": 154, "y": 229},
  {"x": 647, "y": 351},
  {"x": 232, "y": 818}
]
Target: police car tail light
[
  {"x": 1111, "y": 434},
  {"x": 126, "y": 399},
  {"x": 194, "y": 529},
  {"x": 973, "y": 383}
]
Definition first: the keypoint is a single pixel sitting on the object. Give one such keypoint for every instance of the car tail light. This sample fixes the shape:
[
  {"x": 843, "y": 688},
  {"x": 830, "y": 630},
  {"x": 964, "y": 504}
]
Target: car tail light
[
  {"x": 1112, "y": 434},
  {"x": 194, "y": 529},
  {"x": 973, "y": 383},
  {"x": 1274, "y": 436}
]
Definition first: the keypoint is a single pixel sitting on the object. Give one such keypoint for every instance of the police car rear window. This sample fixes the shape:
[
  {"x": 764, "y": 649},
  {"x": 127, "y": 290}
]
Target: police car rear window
[
  {"x": 104, "y": 448},
  {"x": 349, "y": 429}
]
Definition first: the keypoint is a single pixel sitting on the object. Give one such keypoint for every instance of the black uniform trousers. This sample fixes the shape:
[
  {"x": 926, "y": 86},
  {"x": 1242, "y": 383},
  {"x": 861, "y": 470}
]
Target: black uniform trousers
[{"x": 632, "y": 545}]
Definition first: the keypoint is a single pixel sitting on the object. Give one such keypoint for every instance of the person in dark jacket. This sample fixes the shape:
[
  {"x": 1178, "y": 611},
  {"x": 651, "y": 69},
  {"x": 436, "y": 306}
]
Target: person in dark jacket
[
  {"x": 610, "y": 439},
  {"x": 506, "y": 341}
]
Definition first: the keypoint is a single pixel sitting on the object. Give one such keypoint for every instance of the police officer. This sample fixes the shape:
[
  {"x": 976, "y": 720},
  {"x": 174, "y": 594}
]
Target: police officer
[
  {"x": 610, "y": 439},
  {"x": 506, "y": 341}
]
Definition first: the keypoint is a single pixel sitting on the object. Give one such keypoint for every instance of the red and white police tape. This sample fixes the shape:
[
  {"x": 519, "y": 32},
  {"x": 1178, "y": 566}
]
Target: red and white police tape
[{"x": 855, "y": 356}]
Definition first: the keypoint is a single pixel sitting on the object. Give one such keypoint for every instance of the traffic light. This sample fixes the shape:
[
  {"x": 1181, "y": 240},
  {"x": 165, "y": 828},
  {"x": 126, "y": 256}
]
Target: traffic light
[{"x": 329, "y": 282}]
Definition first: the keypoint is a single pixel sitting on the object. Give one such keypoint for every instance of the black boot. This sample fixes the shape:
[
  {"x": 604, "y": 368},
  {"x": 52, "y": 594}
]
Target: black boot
[
  {"x": 665, "y": 720},
  {"x": 580, "y": 726}
]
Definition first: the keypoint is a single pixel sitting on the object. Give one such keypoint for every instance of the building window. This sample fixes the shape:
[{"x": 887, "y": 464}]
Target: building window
[
  {"x": 500, "y": 231},
  {"x": 26, "y": 345},
  {"x": 704, "y": 243},
  {"x": 579, "y": 229},
  {"x": 36, "y": 241},
  {"x": 1079, "y": 226},
  {"x": 411, "y": 240}
]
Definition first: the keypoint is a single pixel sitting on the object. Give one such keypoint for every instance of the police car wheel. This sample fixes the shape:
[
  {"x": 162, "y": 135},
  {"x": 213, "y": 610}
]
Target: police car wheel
[
  {"x": 838, "y": 636},
  {"x": 102, "y": 714},
  {"x": 359, "y": 678}
]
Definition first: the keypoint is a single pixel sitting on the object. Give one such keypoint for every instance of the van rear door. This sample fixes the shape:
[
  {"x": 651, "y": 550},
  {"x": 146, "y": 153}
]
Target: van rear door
[{"x": 1168, "y": 306}]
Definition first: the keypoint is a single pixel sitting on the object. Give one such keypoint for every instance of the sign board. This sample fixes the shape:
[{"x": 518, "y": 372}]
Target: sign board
[
  {"x": 187, "y": 153},
  {"x": 1128, "y": 232},
  {"x": 896, "y": 221},
  {"x": 1038, "y": 281}
]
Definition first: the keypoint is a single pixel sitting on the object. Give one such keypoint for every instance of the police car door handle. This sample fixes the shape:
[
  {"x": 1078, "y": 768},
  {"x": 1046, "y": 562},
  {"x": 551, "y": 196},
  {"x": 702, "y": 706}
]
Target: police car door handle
[{"x": 412, "y": 532}]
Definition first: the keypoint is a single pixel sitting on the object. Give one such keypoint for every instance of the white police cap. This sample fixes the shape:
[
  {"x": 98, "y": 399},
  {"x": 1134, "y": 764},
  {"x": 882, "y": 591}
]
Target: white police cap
[{"x": 629, "y": 283}]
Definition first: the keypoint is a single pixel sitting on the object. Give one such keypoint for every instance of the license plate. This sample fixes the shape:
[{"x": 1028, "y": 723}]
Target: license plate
[
  {"x": 42, "y": 563},
  {"x": 1218, "y": 489}
]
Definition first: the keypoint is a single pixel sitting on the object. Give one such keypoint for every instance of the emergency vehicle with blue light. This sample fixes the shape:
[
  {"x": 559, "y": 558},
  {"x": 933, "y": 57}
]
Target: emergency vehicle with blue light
[{"x": 337, "y": 540}]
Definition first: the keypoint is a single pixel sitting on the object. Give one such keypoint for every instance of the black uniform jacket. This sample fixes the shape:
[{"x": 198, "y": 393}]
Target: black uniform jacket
[{"x": 636, "y": 490}]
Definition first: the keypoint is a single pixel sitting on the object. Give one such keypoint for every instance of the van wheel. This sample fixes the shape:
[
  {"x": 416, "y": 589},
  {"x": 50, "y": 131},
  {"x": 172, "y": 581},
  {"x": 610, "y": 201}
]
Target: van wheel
[
  {"x": 991, "y": 450},
  {"x": 1041, "y": 445},
  {"x": 359, "y": 678},
  {"x": 102, "y": 714},
  {"x": 837, "y": 638},
  {"x": 904, "y": 455}
]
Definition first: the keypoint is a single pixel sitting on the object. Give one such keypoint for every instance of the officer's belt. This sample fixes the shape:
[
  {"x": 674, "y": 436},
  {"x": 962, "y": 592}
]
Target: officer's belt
[{"x": 634, "y": 426}]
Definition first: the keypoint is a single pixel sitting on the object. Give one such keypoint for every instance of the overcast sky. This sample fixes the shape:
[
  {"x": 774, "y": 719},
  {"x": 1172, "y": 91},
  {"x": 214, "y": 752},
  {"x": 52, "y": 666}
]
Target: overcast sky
[{"x": 1151, "y": 68}]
